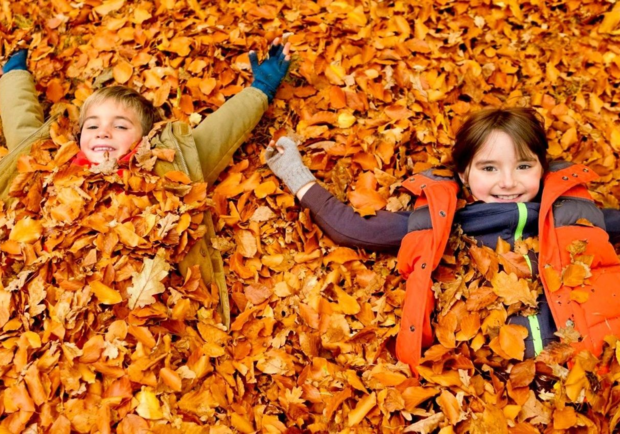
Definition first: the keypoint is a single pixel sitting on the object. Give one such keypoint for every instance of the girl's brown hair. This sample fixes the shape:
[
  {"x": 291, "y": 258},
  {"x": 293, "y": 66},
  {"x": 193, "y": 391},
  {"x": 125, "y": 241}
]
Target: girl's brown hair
[
  {"x": 126, "y": 96},
  {"x": 524, "y": 126}
]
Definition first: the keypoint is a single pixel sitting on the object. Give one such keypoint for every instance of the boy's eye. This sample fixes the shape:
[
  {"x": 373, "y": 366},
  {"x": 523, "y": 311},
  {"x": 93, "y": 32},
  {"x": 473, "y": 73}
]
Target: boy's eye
[
  {"x": 91, "y": 127},
  {"x": 121, "y": 127},
  {"x": 488, "y": 168}
]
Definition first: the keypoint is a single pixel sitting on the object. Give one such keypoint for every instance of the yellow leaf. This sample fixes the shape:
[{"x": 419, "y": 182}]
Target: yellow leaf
[
  {"x": 148, "y": 404},
  {"x": 346, "y": 120},
  {"x": 26, "y": 230}
]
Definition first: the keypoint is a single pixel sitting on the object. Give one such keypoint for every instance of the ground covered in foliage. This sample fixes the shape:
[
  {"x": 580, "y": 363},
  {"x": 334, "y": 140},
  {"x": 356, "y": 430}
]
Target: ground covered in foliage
[{"x": 375, "y": 93}]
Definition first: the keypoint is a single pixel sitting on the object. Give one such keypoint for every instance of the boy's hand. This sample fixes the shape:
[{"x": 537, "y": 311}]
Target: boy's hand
[
  {"x": 17, "y": 61},
  {"x": 269, "y": 74},
  {"x": 284, "y": 160}
]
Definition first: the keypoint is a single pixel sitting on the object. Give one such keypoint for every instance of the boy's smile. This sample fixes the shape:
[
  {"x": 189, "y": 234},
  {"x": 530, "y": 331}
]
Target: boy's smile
[
  {"x": 498, "y": 174},
  {"x": 109, "y": 131}
]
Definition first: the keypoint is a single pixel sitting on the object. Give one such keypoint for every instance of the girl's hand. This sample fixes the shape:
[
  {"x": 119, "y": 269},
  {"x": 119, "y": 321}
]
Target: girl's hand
[{"x": 284, "y": 160}]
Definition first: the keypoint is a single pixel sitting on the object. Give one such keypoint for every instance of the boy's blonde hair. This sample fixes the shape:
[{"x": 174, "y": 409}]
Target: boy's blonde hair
[{"x": 129, "y": 98}]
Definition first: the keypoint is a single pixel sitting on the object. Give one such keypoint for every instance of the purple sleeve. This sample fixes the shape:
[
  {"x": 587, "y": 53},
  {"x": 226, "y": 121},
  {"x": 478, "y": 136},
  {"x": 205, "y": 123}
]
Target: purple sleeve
[{"x": 381, "y": 232}]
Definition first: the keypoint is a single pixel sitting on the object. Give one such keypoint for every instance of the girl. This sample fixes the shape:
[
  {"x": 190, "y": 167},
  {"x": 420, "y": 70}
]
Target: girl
[{"x": 500, "y": 158}]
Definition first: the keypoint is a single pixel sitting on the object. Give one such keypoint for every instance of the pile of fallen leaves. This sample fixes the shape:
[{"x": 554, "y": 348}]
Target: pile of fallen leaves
[
  {"x": 376, "y": 91},
  {"x": 88, "y": 299}
]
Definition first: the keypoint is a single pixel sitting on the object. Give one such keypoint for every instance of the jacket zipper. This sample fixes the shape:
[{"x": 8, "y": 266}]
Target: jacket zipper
[{"x": 532, "y": 319}]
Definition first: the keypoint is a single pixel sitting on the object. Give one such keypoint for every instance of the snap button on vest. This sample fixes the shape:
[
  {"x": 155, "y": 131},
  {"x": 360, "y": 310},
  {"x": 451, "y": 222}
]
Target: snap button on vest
[
  {"x": 442, "y": 213},
  {"x": 424, "y": 265},
  {"x": 411, "y": 328},
  {"x": 203, "y": 252},
  {"x": 565, "y": 178}
]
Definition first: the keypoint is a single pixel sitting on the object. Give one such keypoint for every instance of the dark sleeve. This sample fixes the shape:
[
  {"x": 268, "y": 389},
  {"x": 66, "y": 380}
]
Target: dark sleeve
[
  {"x": 381, "y": 232},
  {"x": 612, "y": 223}
]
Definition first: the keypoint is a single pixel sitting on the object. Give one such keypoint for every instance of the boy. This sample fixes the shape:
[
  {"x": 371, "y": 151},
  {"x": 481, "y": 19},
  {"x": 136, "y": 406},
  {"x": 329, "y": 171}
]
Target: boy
[{"x": 113, "y": 119}]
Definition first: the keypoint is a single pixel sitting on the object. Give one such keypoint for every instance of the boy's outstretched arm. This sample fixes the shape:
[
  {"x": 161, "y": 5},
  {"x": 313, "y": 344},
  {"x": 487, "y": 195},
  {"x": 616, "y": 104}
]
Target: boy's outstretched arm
[
  {"x": 20, "y": 110},
  {"x": 381, "y": 232},
  {"x": 222, "y": 132}
]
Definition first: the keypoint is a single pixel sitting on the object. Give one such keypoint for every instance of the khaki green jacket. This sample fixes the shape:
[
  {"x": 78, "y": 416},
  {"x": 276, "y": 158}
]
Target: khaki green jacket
[{"x": 202, "y": 153}]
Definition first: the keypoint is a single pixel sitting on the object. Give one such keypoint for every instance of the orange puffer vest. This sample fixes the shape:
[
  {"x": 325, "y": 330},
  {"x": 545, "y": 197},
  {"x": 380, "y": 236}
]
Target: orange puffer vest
[{"x": 565, "y": 199}]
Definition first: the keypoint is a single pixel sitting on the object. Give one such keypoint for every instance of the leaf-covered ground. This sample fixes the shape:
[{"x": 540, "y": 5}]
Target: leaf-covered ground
[{"x": 376, "y": 92}]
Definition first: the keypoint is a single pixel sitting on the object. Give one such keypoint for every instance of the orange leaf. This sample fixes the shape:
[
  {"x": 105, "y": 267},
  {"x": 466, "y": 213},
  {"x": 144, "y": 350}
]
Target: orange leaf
[
  {"x": 364, "y": 406},
  {"x": 512, "y": 340},
  {"x": 552, "y": 277},
  {"x": 178, "y": 176},
  {"x": 366, "y": 201},
  {"x": 574, "y": 275},
  {"x": 122, "y": 72},
  {"x": 579, "y": 296},
  {"x": 171, "y": 379},
  {"x": 450, "y": 406},
  {"x": 104, "y": 293},
  {"x": 164, "y": 154},
  {"x": 341, "y": 255},
  {"x": 55, "y": 90}
]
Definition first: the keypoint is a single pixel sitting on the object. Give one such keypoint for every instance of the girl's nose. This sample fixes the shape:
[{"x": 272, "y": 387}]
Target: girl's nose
[{"x": 508, "y": 180}]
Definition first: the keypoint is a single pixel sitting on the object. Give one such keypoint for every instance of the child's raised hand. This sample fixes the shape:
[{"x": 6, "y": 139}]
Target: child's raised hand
[
  {"x": 285, "y": 162},
  {"x": 269, "y": 74}
]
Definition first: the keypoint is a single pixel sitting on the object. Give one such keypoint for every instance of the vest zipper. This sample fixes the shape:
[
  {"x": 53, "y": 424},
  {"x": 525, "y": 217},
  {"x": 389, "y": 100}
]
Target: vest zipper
[{"x": 532, "y": 319}]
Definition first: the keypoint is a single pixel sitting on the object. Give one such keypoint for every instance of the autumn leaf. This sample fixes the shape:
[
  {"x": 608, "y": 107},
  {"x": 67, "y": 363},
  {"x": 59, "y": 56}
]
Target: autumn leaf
[
  {"x": 512, "y": 289},
  {"x": 147, "y": 283}
]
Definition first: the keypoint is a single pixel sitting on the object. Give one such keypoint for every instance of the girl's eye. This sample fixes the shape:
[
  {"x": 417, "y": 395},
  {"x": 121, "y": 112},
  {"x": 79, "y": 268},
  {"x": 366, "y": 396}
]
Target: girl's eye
[
  {"x": 524, "y": 166},
  {"x": 488, "y": 168}
]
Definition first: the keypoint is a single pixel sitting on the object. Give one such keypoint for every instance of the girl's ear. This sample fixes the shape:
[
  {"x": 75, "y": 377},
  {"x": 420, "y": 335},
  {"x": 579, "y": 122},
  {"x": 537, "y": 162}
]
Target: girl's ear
[{"x": 462, "y": 178}]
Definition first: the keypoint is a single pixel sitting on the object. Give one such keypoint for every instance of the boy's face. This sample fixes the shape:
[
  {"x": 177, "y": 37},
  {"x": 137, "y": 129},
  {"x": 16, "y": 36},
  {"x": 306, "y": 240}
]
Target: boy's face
[
  {"x": 109, "y": 128},
  {"x": 497, "y": 174}
]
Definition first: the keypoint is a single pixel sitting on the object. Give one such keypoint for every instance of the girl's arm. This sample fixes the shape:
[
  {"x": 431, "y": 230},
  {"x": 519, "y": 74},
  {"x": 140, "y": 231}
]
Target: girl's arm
[
  {"x": 383, "y": 231},
  {"x": 612, "y": 223}
]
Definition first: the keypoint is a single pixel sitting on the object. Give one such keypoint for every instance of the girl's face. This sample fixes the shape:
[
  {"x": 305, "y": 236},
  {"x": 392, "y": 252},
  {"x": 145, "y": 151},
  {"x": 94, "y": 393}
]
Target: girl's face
[{"x": 497, "y": 174}]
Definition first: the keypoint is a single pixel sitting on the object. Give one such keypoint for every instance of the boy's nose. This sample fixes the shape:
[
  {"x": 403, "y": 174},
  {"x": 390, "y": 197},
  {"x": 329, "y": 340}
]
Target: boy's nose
[{"x": 103, "y": 132}]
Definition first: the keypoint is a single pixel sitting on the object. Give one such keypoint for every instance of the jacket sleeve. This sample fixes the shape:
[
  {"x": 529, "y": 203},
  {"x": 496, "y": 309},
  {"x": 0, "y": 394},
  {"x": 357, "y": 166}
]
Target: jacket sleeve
[
  {"x": 612, "y": 223},
  {"x": 222, "y": 132},
  {"x": 20, "y": 110},
  {"x": 381, "y": 232}
]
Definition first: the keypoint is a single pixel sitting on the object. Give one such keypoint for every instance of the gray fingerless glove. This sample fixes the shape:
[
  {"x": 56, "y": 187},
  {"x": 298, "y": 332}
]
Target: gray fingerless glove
[{"x": 288, "y": 165}]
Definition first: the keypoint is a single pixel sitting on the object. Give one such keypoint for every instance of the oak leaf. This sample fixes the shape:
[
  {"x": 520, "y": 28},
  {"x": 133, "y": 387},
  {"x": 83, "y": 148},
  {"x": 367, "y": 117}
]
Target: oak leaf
[{"x": 147, "y": 283}]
